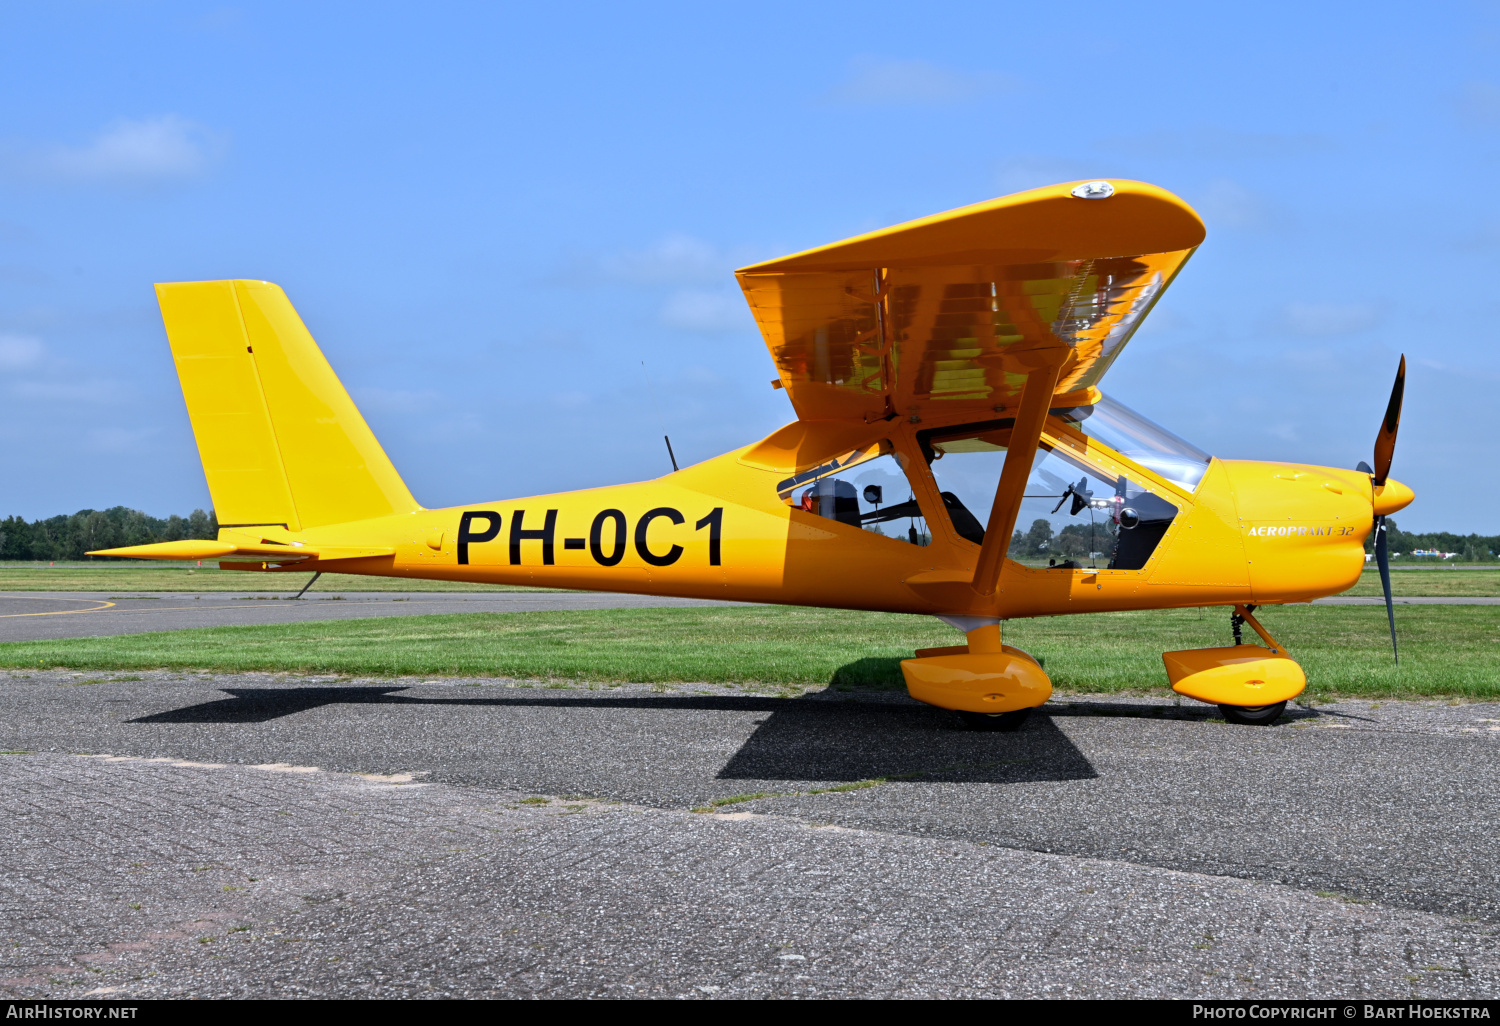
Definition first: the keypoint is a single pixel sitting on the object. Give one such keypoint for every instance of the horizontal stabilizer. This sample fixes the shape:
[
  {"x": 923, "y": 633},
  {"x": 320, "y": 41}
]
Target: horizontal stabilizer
[
  {"x": 294, "y": 553},
  {"x": 171, "y": 550}
]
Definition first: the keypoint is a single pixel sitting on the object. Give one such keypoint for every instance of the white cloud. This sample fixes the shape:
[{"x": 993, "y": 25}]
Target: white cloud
[
  {"x": 1479, "y": 102},
  {"x": 679, "y": 260},
  {"x": 115, "y": 439},
  {"x": 18, "y": 352},
  {"x": 1480, "y": 237},
  {"x": 1322, "y": 319},
  {"x": 1017, "y": 174},
  {"x": 21, "y": 274},
  {"x": 708, "y": 312},
  {"x": 1164, "y": 319},
  {"x": 396, "y": 400},
  {"x": 128, "y": 152},
  {"x": 87, "y": 392},
  {"x": 1210, "y": 143},
  {"x": 10, "y": 231},
  {"x": 676, "y": 260},
  {"x": 699, "y": 376},
  {"x": 1231, "y": 205},
  {"x": 220, "y": 19},
  {"x": 912, "y": 83},
  {"x": 461, "y": 429}
]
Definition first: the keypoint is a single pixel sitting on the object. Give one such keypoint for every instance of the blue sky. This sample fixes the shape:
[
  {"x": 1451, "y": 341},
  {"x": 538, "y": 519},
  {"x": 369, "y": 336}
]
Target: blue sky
[{"x": 490, "y": 215}]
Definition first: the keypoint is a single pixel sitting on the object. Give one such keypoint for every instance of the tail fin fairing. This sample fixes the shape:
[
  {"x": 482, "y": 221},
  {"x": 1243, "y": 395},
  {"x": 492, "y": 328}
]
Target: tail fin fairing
[{"x": 280, "y": 439}]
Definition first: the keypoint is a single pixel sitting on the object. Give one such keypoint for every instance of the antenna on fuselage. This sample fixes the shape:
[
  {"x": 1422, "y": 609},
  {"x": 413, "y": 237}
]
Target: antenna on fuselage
[{"x": 659, "y": 420}]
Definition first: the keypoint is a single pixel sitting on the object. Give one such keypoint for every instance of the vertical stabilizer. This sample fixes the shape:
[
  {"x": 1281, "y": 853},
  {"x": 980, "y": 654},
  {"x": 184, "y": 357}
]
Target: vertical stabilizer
[{"x": 280, "y": 439}]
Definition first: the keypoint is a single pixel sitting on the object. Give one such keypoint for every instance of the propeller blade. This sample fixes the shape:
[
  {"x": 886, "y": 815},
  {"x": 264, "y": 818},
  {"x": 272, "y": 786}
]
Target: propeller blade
[
  {"x": 1383, "y": 560},
  {"x": 1385, "y": 442}
]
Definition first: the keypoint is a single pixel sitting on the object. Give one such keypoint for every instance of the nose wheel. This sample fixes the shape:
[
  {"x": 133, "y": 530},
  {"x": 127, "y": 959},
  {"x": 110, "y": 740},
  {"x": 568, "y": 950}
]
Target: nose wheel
[{"x": 1252, "y": 715}]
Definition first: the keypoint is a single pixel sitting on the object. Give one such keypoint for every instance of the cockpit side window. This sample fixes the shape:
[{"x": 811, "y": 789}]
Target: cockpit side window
[
  {"x": 1074, "y": 514},
  {"x": 866, "y": 488}
]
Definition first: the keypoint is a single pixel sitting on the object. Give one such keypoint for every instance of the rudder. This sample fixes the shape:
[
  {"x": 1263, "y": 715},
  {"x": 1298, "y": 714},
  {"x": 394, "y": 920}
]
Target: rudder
[{"x": 280, "y": 439}]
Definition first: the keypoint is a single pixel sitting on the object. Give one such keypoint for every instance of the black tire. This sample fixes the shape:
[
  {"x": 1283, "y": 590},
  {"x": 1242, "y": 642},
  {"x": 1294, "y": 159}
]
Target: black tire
[
  {"x": 1006, "y": 721},
  {"x": 1253, "y": 715}
]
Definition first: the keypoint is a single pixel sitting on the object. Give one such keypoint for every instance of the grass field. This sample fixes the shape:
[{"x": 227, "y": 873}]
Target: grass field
[
  {"x": 1435, "y": 581},
  {"x": 1446, "y": 650},
  {"x": 123, "y": 577}
]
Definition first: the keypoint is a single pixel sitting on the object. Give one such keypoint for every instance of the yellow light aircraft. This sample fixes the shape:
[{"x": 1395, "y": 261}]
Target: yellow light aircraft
[{"x": 945, "y": 374}]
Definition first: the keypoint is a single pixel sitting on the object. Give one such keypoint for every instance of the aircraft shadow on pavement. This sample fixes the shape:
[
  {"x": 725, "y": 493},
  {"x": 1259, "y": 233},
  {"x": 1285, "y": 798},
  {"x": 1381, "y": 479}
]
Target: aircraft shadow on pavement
[
  {"x": 1190, "y": 710},
  {"x": 822, "y": 740},
  {"x": 260, "y": 705},
  {"x": 809, "y": 738}
]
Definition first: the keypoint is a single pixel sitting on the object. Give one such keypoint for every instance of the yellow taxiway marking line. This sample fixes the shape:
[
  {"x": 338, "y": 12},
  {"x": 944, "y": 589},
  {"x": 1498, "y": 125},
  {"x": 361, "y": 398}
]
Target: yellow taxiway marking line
[
  {"x": 154, "y": 609},
  {"x": 171, "y": 609},
  {"x": 103, "y": 605},
  {"x": 164, "y": 609},
  {"x": 57, "y": 612}
]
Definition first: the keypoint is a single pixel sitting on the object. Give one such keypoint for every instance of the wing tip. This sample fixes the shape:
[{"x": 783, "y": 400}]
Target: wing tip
[{"x": 1186, "y": 232}]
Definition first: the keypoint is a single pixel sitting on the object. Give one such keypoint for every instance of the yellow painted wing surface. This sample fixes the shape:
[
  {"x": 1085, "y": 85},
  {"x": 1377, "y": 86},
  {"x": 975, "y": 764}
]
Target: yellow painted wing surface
[{"x": 953, "y": 311}]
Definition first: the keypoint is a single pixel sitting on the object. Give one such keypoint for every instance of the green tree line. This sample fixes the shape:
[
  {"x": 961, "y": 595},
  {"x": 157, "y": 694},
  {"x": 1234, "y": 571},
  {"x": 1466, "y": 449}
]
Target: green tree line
[
  {"x": 1076, "y": 541},
  {"x": 1471, "y": 548},
  {"x": 69, "y": 537}
]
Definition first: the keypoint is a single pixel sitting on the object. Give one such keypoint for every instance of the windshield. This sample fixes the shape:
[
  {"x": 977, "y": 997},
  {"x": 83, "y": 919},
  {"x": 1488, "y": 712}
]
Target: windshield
[{"x": 1139, "y": 440}]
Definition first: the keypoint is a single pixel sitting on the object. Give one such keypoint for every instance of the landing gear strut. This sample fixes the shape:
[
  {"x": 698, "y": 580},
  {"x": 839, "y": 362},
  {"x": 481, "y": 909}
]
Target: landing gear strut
[{"x": 1237, "y": 623}]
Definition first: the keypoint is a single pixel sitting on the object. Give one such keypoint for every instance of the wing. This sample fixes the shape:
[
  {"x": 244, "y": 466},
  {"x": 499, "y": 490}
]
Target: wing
[{"x": 951, "y": 311}]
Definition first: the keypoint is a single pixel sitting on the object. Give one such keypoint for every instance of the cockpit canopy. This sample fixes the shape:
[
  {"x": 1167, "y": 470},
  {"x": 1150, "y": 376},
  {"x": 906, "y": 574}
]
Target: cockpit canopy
[
  {"x": 1139, "y": 440},
  {"x": 1074, "y": 512}
]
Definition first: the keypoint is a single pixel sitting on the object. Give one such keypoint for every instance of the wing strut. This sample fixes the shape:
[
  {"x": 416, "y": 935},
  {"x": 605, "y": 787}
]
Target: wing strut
[{"x": 1031, "y": 415}]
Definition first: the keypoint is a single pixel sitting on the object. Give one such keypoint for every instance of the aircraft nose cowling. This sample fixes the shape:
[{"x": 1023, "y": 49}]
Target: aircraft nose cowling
[{"x": 1392, "y": 496}]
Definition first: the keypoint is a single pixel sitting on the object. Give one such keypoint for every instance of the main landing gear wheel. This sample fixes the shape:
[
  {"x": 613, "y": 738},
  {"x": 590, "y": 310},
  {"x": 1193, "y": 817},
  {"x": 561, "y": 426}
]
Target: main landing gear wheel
[
  {"x": 1252, "y": 715},
  {"x": 1006, "y": 721}
]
